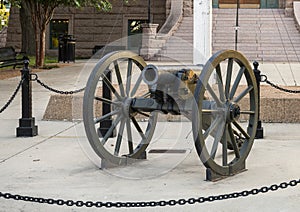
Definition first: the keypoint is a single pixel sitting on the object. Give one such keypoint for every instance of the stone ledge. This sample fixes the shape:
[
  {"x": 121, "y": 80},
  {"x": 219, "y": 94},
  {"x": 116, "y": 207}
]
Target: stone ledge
[{"x": 276, "y": 107}]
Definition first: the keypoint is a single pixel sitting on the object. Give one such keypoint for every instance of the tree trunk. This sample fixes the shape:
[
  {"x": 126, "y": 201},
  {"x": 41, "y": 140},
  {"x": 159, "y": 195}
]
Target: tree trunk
[
  {"x": 28, "y": 33},
  {"x": 37, "y": 55},
  {"x": 42, "y": 47}
]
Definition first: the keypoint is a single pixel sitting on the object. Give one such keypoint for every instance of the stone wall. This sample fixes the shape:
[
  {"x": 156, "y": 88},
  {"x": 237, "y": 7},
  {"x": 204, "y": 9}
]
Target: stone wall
[
  {"x": 288, "y": 5},
  {"x": 92, "y": 27},
  {"x": 3, "y": 35},
  {"x": 188, "y": 7}
]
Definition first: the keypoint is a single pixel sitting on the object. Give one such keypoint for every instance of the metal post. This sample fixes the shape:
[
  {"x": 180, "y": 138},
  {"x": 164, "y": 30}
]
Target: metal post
[
  {"x": 106, "y": 108},
  {"x": 27, "y": 127},
  {"x": 237, "y": 23},
  {"x": 260, "y": 130},
  {"x": 149, "y": 12}
]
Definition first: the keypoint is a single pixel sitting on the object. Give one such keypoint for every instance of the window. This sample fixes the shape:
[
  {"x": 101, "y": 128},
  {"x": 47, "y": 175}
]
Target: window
[{"x": 57, "y": 27}]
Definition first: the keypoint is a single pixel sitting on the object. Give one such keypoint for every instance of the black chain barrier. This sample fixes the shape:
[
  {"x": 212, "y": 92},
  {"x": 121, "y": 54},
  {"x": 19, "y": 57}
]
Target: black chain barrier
[
  {"x": 190, "y": 201},
  {"x": 12, "y": 96},
  {"x": 53, "y": 89},
  {"x": 265, "y": 79}
]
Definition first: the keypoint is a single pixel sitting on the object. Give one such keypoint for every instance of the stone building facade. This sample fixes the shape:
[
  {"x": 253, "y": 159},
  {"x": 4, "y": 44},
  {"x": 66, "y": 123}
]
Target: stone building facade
[
  {"x": 3, "y": 34},
  {"x": 91, "y": 27}
]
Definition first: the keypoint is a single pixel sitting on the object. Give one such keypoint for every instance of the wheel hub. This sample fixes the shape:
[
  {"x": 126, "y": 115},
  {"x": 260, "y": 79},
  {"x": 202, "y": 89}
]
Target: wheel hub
[
  {"x": 234, "y": 112},
  {"x": 126, "y": 108}
]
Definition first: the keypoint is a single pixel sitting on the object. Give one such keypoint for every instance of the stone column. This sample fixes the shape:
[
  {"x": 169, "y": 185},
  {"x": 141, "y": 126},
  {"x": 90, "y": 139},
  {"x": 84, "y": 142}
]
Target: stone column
[
  {"x": 149, "y": 45},
  {"x": 202, "y": 31},
  {"x": 289, "y": 8}
]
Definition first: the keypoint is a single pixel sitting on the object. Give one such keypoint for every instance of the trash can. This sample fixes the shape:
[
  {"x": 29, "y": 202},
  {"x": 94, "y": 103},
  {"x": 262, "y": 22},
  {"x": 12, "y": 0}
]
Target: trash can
[{"x": 66, "y": 48}]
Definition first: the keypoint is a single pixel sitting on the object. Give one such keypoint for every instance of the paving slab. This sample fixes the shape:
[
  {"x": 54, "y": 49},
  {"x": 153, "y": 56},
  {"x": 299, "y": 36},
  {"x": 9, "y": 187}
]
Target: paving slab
[{"x": 53, "y": 165}]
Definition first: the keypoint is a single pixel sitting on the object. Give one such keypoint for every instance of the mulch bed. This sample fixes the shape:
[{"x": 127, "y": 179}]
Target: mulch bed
[{"x": 10, "y": 72}]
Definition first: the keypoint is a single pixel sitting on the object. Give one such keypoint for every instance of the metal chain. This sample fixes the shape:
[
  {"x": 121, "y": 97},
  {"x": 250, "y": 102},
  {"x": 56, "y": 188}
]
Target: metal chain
[
  {"x": 190, "y": 201},
  {"x": 53, "y": 89},
  {"x": 12, "y": 96},
  {"x": 265, "y": 79}
]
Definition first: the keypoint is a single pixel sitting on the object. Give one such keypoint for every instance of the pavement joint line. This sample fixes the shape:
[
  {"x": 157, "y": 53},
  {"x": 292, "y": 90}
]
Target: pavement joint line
[{"x": 40, "y": 142}]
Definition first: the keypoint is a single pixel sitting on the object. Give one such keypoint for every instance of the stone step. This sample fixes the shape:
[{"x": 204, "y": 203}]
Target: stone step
[{"x": 263, "y": 33}]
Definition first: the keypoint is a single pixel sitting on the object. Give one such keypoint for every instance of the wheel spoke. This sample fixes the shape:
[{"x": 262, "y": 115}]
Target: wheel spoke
[
  {"x": 136, "y": 86},
  {"x": 111, "y": 87},
  {"x": 243, "y": 94},
  {"x": 144, "y": 114},
  {"x": 224, "y": 146},
  {"x": 220, "y": 83},
  {"x": 217, "y": 140},
  {"x": 209, "y": 111},
  {"x": 146, "y": 95},
  {"x": 213, "y": 94},
  {"x": 211, "y": 128},
  {"x": 107, "y": 101},
  {"x": 233, "y": 141},
  {"x": 129, "y": 72},
  {"x": 228, "y": 77},
  {"x": 237, "y": 82},
  {"x": 110, "y": 130},
  {"x": 250, "y": 112},
  {"x": 119, "y": 78},
  {"x": 129, "y": 135},
  {"x": 106, "y": 116},
  {"x": 138, "y": 128},
  {"x": 119, "y": 138},
  {"x": 240, "y": 128}
]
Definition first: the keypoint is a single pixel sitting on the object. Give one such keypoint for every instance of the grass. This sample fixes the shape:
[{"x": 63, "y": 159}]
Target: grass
[{"x": 50, "y": 62}]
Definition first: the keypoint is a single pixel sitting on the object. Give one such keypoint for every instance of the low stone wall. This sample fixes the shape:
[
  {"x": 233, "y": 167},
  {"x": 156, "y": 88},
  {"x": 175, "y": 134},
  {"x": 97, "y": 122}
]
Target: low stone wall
[{"x": 276, "y": 107}]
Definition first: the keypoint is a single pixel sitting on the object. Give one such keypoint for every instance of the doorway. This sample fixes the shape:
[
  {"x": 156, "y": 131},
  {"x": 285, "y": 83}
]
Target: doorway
[
  {"x": 255, "y": 4},
  {"x": 135, "y": 30},
  {"x": 269, "y": 4},
  {"x": 246, "y": 4}
]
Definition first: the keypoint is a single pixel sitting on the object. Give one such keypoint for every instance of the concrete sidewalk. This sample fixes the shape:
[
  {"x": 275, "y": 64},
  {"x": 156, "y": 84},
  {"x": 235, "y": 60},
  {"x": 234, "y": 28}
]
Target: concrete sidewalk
[{"x": 54, "y": 165}]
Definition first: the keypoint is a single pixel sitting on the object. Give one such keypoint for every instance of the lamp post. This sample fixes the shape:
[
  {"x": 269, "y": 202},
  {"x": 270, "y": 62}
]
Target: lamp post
[
  {"x": 237, "y": 23},
  {"x": 149, "y": 12}
]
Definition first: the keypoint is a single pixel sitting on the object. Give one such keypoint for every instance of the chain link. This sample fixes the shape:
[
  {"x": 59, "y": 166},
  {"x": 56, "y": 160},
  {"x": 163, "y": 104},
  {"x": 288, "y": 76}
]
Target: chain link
[
  {"x": 161, "y": 203},
  {"x": 12, "y": 96},
  {"x": 53, "y": 89},
  {"x": 265, "y": 79}
]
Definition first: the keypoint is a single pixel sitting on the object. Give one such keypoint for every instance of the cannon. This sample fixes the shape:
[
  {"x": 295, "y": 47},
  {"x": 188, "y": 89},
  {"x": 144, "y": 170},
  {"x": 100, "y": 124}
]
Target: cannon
[{"x": 220, "y": 98}]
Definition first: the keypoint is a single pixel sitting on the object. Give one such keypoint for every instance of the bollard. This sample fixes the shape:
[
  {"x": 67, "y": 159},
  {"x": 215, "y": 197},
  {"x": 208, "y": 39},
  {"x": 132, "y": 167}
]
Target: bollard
[
  {"x": 260, "y": 130},
  {"x": 27, "y": 127},
  {"x": 106, "y": 108}
]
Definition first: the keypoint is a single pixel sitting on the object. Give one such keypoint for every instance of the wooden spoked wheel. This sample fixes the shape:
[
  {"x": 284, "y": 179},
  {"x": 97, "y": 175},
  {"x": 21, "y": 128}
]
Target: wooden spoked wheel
[
  {"x": 225, "y": 113},
  {"x": 115, "y": 132}
]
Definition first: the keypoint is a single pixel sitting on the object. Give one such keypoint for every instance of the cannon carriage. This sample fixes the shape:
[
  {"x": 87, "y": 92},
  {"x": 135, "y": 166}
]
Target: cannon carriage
[{"x": 220, "y": 98}]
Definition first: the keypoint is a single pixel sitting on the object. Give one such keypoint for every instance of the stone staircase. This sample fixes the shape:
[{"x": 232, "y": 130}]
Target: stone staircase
[
  {"x": 265, "y": 35},
  {"x": 179, "y": 46}
]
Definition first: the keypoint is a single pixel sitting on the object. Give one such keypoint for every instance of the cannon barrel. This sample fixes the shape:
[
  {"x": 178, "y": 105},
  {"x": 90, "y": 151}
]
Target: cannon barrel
[{"x": 167, "y": 74}]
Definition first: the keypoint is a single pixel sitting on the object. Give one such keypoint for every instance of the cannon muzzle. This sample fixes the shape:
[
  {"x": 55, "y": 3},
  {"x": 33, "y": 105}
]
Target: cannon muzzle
[{"x": 164, "y": 75}]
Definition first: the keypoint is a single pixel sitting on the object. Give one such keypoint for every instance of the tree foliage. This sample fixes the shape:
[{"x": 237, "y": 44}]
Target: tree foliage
[{"x": 3, "y": 16}]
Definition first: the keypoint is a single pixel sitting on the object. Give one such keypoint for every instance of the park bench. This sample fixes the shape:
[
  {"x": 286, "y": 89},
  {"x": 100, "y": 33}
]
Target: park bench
[{"x": 8, "y": 57}]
